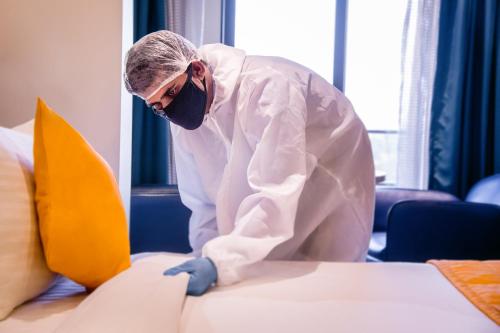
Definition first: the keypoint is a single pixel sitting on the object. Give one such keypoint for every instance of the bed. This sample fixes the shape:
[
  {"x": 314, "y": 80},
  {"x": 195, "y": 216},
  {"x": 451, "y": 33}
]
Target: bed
[{"x": 277, "y": 296}]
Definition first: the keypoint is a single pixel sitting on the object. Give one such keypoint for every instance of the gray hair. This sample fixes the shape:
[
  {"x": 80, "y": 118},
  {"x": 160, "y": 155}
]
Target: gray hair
[{"x": 155, "y": 58}]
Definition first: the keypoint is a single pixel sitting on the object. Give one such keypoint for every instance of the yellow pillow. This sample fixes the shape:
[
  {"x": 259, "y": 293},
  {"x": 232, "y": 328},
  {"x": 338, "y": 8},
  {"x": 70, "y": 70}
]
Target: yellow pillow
[{"x": 82, "y": 220}]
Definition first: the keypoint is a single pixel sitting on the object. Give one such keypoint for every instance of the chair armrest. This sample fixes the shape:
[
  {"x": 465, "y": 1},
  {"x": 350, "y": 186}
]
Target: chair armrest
[
  {"x": 486, "y": 190},
  {"x": 388, "y": 197},
  {"x": 422, "y": 230},
  {"x": 158, "y": 220}
]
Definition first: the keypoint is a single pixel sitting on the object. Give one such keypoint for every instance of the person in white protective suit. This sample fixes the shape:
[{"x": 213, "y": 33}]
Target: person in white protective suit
[{"x": 271, "y": 159}]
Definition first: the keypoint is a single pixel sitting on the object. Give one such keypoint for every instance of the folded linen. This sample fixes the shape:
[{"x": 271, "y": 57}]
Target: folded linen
[{"x": 479, "y": 281}]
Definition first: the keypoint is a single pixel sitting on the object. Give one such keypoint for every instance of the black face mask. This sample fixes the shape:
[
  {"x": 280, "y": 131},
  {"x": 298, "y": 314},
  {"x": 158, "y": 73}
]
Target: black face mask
[{"x": 187, "y": 109}]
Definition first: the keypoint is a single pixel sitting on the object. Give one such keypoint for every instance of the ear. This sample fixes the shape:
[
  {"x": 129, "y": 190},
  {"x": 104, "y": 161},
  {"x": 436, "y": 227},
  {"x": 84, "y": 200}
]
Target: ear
[{"x": 198, "y": 69}]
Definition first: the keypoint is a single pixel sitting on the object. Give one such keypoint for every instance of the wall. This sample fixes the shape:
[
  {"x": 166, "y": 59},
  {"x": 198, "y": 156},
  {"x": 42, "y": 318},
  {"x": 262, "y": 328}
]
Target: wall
[{"x": 70, "y": 54}]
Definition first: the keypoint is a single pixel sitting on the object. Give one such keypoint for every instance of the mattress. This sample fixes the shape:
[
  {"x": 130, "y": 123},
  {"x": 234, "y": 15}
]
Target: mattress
[{"x": 280, "y": 296}]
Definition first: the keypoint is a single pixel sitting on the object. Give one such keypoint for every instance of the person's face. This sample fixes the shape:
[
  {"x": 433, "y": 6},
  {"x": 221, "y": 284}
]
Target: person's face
[{"x": 163, "y": 95}]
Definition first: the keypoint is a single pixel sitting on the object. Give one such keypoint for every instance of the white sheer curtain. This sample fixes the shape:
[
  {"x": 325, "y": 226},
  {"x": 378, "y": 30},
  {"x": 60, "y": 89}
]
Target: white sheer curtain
[
  {"x": 420, "y": 36},
  {"x": 187, "y": 18}
]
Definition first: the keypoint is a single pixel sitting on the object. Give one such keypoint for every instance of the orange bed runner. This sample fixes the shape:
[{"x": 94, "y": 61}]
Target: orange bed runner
[{"x": 479, "y": 281}]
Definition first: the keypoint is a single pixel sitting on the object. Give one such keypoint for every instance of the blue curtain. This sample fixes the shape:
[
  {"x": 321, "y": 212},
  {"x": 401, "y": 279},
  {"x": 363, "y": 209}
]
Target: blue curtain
[
  {"x": 465, "y": 123},
  {"x": 228, "y": 14},
  {"x": 149, "y": 132}
]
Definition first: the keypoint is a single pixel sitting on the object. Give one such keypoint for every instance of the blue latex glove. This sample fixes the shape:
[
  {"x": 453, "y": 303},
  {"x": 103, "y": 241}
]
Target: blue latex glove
[{"x": 202, "y": 274}]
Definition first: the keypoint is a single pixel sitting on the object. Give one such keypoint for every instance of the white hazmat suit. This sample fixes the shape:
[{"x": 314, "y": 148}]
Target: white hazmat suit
[{"x": 281, "y": 167}]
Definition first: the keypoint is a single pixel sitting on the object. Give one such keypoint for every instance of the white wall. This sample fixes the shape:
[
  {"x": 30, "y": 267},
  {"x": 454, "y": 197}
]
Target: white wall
[
  {"x": 70, "y": 53},
  {"x": 125, "y": 171}
]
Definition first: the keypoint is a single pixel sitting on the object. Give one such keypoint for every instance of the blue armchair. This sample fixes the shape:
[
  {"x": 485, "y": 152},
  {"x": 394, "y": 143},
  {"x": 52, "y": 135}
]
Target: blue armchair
[
  {"x": 158, "y": 220},
  {"x": 412, "y": 225}
]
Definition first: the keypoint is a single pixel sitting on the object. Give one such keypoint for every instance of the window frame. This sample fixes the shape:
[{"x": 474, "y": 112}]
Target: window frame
[{"x": 227, "y": 37}]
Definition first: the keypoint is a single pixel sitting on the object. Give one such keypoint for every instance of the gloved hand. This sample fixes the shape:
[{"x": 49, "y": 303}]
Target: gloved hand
[{"x": 202, "y": 274}]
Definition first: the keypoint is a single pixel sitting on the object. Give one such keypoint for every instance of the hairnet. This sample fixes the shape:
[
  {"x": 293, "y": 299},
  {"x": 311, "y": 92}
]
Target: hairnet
[{"x": 157, "y": 58}]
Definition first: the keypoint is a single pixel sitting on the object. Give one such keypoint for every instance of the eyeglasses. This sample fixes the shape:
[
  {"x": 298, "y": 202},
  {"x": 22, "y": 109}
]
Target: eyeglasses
[
  {"x": 159, "y": 112},
  {"x": 157, "y": 107}
]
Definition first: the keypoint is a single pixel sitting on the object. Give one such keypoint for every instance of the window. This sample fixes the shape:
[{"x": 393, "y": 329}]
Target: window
[
  {"x": 373, "y": 74},
  {"x": 302, "y": 31},
  {"x": 305, "y": 32}
]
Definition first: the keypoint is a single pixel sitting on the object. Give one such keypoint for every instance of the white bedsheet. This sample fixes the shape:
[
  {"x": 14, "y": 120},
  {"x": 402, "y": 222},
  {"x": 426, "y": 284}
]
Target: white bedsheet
[
  {"x": 302, "y": 297},
  {"x": 337, "y": 297}
]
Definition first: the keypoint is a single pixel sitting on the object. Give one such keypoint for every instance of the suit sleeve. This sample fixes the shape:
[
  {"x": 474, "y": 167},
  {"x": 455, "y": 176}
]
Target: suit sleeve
[
  {"x": 274, "y": 122},
  {"x": 202, "y": 223}
]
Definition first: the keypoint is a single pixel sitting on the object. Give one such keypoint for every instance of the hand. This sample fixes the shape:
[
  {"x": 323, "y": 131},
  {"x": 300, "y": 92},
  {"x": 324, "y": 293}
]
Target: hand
[{"x": 202, "y": 274}]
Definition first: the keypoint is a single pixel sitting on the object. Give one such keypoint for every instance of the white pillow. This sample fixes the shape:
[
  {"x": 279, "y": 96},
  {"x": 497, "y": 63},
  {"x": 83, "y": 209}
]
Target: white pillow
[
  {"x": 26, "y": 128},
  {"x": 23, "y": 271}
]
